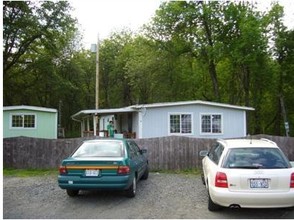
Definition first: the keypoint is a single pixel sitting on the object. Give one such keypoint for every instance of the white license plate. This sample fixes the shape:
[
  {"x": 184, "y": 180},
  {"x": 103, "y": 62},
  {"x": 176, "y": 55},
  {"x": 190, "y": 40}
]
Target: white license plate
[
  {"x": 92, "y": 173},
  {"x": 259, "y": 183}
]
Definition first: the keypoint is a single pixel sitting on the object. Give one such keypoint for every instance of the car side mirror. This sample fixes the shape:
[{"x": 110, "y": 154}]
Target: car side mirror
[
  {"x": 203, "y": 153},
  {"x": 143, "y": 151}
]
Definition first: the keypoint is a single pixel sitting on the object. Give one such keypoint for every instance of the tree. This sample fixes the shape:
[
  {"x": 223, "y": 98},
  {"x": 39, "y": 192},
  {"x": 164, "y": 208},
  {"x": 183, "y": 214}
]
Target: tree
[
  {"x": 114, "y": 54},
  {"x": 190, "y": 28},
  {"x": 35, "y": 35},
  {"x": 142, "y": 70},
  {"x": 282, "y": 51}
]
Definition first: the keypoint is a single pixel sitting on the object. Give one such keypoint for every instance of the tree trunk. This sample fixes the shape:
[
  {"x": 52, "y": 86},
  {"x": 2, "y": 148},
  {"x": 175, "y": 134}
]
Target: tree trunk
[{"x": 211, "y": 62}]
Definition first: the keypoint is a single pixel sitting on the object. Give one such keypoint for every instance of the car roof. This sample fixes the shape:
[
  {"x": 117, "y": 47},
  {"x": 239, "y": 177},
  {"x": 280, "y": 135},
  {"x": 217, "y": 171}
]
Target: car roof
[
  {"x": 105, "y": 139},
  {"x": 242, "y": 143}
]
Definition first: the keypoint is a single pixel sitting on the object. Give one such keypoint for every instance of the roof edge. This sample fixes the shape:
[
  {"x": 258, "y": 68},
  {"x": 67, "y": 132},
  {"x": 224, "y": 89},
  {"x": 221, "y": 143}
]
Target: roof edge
[
  {"x": 27, "y": 107},
  {"x": 102, "y": 111},
  {"x": 134, "y": 108},
  {"x": 166, "y": 104}
]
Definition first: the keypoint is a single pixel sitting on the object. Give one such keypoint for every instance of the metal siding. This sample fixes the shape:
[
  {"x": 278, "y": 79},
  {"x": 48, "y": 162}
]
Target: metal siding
[
  {"x": 46, "y": 125},
  {"x": 155, "y": 121},
  {"x": 233, "y": 122},
  {"x": 135, "y": 124}
]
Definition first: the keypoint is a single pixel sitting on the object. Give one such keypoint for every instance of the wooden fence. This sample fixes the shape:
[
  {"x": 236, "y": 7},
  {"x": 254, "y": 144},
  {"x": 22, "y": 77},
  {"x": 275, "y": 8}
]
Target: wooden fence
[
  {"x": 174, "y": 152},
  {"x": 166, "y": 153}
]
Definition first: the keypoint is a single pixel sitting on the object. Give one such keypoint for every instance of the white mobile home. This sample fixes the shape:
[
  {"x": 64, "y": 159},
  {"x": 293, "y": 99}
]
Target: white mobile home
[{"x": 188, "y": 118}]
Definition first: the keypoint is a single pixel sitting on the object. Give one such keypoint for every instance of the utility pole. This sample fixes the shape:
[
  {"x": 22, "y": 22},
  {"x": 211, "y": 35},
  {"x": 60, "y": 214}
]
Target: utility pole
[
  {"x": 95, "y": 48},
  {"x": 97, "y": 74}
]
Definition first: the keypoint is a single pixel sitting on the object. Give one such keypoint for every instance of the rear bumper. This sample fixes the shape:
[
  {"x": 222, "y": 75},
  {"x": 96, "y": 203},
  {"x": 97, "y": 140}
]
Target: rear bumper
[
  {"x": 104, "y": 182},
  {"x": 225, "y": 198}
]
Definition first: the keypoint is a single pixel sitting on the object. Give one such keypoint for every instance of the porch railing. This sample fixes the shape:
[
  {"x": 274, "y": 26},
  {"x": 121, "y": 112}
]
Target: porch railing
[{"x": 104, "y": 133}]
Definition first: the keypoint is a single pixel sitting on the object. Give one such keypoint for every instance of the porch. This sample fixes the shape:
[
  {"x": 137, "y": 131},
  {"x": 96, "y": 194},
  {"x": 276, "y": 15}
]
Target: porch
[
  {"x": 94, "y": 122},
  {"x": 104, "y": 133}
]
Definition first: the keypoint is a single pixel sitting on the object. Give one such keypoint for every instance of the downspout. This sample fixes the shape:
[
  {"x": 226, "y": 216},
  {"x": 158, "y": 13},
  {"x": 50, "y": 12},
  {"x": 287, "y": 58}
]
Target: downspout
[
  {"x": 140, "y": 127},
  {"x": 245, "y": 123}
]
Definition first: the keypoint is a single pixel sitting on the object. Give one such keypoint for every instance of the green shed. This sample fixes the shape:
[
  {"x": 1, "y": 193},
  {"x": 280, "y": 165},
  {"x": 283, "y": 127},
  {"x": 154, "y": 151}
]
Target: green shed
[{"x": 29, "y": 121}]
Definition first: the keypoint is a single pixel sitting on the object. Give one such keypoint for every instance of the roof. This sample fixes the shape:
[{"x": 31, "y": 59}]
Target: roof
[
  {"x": 105, "y": 139},
  {"x": 195, "y": 102},
  {"x": 83, "y": 113},
  {"x": 26, "y": 107},
  {"x": 136, "y": 108},
  {"x": 241, "y": 143}
]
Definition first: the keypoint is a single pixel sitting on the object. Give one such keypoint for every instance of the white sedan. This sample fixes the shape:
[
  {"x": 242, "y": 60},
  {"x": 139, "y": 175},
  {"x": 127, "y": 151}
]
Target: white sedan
[{"x": 247, "y": 173}]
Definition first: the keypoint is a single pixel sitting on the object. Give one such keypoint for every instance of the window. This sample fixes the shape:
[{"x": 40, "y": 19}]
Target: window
[
  {"x": 23, "y": 121},
  {"x": 255, "y": 158},
  {"x": 134, "y": 149},
  {"x": 180, "y": 123},
  {"x": 211, "y": 123},
  {"x": 100, "y": 149},
  {"x": 216, "y": 152}
]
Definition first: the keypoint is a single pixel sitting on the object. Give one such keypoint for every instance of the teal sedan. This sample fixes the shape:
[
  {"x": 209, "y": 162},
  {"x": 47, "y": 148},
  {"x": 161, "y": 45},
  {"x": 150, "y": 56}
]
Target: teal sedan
[{"x": 104, "y": 164}]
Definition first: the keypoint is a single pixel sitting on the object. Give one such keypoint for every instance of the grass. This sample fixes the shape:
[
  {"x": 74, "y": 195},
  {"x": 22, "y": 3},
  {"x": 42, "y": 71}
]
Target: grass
[
  {"x": 47, "y": 172},
  {"x": 29, "y": 172},
  {"x": 186, "y": 171}
]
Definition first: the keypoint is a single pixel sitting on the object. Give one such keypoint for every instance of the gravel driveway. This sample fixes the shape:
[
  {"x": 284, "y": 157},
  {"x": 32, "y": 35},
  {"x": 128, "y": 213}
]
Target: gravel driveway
[{"x": 161, "y": 196}]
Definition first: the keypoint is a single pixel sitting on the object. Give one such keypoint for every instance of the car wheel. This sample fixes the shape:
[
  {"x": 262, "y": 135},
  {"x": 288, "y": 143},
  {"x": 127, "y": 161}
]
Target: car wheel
[
  {"x": 146, "y": 174},
  {"x": 131, "y": 192},
  {"x": 72, "y": 192},
  {"x": 211, "y": 205}
]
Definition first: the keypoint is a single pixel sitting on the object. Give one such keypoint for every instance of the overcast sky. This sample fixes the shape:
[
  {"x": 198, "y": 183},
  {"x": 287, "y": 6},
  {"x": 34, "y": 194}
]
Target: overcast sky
[{"x": 106, "y": 16}]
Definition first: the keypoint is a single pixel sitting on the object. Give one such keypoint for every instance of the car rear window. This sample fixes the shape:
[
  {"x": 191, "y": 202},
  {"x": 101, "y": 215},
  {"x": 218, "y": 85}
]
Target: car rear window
[
  {"x": 100, "y": 149},
  {"x": 255, "y": 158}
]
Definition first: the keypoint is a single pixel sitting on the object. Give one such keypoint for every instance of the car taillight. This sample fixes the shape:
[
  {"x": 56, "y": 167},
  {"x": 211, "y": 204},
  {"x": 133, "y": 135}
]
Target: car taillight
[
  {"x": 292, "y": 181},
  {"x": 62, "y": 170},
  {"x": 221, "y": 180},
  {"x": 123, "y": 170}
]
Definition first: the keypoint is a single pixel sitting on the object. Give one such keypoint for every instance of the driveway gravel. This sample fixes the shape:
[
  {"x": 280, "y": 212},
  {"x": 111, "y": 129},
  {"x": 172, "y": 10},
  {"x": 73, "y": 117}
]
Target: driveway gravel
[{"x": 162, "y": 196}]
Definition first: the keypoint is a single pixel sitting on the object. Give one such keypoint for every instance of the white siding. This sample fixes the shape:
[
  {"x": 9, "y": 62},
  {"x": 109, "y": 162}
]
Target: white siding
[
  {"x": 135, "y": 124},
  {"x": 156, "y": 120}
]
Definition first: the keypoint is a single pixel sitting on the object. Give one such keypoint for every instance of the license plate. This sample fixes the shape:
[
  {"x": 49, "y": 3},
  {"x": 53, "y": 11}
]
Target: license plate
[
  {"x": 92, "y": 173},
  {"x": 259, "y": 183}
]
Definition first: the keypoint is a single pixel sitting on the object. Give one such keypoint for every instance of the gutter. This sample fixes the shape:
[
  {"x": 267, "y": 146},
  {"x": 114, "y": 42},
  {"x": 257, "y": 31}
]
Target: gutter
[{"x": 72, "y": 117}]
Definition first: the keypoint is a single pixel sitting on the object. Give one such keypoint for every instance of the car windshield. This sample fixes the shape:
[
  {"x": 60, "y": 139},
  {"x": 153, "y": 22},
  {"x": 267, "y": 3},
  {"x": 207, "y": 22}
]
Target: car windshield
[
  {"x": 256, "y": 158},
  {"x": 100, "y": 149}
]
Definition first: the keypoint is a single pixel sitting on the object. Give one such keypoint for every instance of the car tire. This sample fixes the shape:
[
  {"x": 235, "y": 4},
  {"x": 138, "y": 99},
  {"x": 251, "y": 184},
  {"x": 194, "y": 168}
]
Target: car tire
[
  {"x": 211, "y": 205},
  {"x": 131, "y": 191},
  {"x": 146, "y": 174},
  {"x": 72, "y": 192}
]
